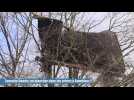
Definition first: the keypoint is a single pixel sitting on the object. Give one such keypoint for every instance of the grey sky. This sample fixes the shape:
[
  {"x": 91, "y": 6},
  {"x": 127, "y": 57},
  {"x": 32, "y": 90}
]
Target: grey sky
[
  {"x": 84, "y": 17},
  {"x": 95, "y": 17}
]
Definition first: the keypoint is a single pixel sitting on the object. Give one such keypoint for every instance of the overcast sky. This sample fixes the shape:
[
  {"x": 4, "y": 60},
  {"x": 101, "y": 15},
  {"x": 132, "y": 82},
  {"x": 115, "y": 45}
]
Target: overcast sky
[
  {"x": 82, "y": 18},
  {"x": 95, "y": 17}
]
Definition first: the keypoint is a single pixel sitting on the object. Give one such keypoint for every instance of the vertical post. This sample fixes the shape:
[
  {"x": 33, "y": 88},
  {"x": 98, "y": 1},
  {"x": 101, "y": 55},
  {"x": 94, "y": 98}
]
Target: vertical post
[
  {"x": 75, "y": 75},
  {"x": 70, "y": 75},
  {"x": 49, "y": 31}
]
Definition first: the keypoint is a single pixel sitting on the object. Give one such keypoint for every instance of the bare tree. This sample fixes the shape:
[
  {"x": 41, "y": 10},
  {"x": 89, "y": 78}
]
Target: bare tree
[
  {"x": 15, "y": 39},
  {"x": 18, "y": 30}
]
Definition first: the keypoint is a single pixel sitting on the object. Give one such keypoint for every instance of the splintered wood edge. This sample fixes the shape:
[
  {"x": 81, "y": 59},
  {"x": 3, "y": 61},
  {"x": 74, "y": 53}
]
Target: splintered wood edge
[
  {"x": 70, "y": 65},
  {"x": 36, "y": 16}
]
